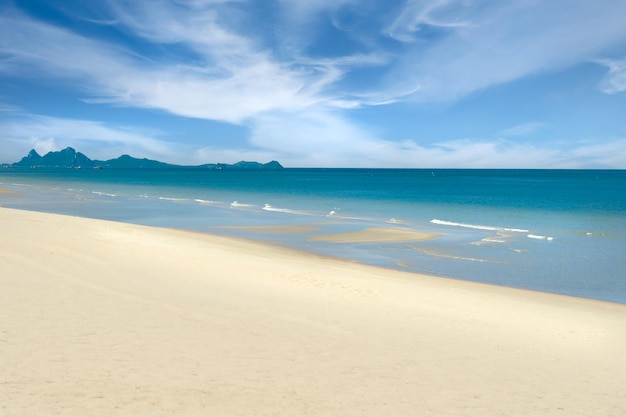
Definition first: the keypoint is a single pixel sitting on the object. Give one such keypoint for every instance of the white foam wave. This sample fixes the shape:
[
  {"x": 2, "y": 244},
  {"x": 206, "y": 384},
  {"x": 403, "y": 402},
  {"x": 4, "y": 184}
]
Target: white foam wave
[
  {"x": 173, "y": 199},
  {"x": 269, "y": 207},
  {"x": 334, "y": 212},
  {"x": 237, "y": 204},
  {"x": 103, "y": 193},
  {"x": 540, "y": 237},
  {"x": 478, "y": 226},
  {"x": 493, "y": 240},
  {"x": 207, "y": 202},
  {"x": 515, "y": 230}
]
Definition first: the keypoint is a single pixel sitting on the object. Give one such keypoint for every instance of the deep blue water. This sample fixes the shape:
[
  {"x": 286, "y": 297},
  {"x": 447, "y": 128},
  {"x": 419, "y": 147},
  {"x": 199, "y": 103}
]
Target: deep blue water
[{"x": 560, "y": 231}]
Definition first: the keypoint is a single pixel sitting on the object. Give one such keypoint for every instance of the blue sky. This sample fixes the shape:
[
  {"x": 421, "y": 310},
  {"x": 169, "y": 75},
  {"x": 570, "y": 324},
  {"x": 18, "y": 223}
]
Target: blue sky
[{"x": 318, "y": 83}]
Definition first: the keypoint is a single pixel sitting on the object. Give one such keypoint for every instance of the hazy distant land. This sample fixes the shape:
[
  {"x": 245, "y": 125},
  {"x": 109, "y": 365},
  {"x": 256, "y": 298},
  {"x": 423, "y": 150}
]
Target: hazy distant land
[{"x": 70, "y": 158}]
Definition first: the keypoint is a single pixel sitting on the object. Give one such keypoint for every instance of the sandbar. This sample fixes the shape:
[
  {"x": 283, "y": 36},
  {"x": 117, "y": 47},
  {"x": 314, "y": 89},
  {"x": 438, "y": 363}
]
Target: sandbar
[
  {"x": 6, "y": 191},
  {"x": 376, "y": 234},
  {"x": 99, "y": 318}
]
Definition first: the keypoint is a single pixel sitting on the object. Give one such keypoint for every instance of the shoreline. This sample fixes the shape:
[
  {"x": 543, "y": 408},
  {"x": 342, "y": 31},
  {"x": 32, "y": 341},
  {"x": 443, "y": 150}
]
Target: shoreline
[
  {"x": 495, "y": 252},
  {"x": 101, "y": 317}
]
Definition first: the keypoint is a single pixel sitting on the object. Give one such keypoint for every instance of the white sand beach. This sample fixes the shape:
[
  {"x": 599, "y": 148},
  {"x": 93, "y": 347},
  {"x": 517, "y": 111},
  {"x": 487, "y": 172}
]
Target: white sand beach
[{"x": 109, "y": 319}]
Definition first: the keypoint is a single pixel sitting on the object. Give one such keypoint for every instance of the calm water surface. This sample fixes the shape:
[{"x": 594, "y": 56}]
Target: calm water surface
[{"x": 560, "y": 231}]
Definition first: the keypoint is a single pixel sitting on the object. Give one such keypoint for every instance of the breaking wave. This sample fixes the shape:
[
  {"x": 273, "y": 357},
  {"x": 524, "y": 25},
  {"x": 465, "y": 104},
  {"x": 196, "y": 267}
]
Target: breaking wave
[
  {"x": 492, "y": 229},
  {"x": 478, "y": 226}
]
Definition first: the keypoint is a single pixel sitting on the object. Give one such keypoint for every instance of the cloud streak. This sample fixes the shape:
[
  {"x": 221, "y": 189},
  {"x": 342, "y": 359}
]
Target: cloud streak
[
  {"x": 419, "y": 16},
  {"x": 491, "y": 42},
  {"x": 327, "y": 140},
  {"x": 204, "y": 59},
  {"x": 230, "y": 77},
  {"x": 231, "y": 82},
  {"x": 615, "y": 81}
]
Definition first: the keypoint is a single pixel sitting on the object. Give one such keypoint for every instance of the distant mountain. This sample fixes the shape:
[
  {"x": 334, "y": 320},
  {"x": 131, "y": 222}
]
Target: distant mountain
[
  {"x": 127, "y": 161},
  {"x": 69, "y": 158},
  {"x": 31, "y": 159}
]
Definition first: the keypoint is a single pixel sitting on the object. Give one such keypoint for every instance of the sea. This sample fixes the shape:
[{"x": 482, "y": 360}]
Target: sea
[{"x": 558, "y": 231}]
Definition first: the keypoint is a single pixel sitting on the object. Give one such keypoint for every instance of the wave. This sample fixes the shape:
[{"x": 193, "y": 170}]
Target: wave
[
  {"x": 103, "y": 193},
  {"x": 236, "y": 204},
  {"x": 540, "y": 237},
  {"x": 207, "y": 202},
  {"x": 492, "y": 240},
  {"x": 335, "y": 213},
  {"x": 173, "y": 199},
  {"x": 268, "y": 207},
  {"x": 493, "y": 229},
  {"x": 478, "y": 226}
]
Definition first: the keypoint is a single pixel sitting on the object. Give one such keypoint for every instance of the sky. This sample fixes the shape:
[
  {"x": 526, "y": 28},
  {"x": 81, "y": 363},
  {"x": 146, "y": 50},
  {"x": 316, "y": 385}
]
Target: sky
[{"x": 318, "y": 83}]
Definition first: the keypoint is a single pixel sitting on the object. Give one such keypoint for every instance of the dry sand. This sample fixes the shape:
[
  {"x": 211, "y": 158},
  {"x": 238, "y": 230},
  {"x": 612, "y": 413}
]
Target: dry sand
[{"x": 108, "y": 319}]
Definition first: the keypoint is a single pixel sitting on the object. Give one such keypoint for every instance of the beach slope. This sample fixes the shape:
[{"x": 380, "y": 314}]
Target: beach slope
[{"x": 100, "y": 318}]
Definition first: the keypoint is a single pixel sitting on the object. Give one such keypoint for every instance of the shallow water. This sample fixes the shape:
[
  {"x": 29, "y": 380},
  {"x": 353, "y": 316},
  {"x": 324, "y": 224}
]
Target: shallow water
[{"x": 548, "y": 230}]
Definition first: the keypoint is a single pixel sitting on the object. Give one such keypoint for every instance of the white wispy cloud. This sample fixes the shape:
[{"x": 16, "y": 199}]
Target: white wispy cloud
[
  {"x": 522, "y": 129},
  {"x": 320, "y": 137},
  {"x": 306, "y": 12},
  {"x": 418, "y": 15},
  {"x": 475, "y": 153},
  {"x": 210, "y": 65},
  {"x": 485, "y": 44},
  {"x": 231, "y": 82},
  {"x": 35, "y": 49},
  {"x": 497, "y": 42},
  {"x": 615, "y": 81},
  {"x": 327, "y": 140},
  {"x": 5, "y": 107},
  {"x": 601, "y": 154}
]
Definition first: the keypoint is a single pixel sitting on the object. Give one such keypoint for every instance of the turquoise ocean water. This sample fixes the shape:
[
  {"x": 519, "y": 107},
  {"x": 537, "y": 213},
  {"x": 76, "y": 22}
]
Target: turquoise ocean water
[{"x": 561, "y": 231}]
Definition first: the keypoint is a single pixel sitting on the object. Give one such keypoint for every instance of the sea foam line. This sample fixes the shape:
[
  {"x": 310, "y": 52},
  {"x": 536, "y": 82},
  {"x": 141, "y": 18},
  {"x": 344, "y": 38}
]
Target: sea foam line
[
  {"x": 540, "y": 237},
  {"x": 207, "y": 202},
  {"x": 173, "y": 199},
  {"x": 492, "y": 228},
  {"x": 103, "y": 193},
  {"x": 236, "y": 204},
  {"x": 478, "y": 226},
  {"x": 269, "y": 207}
]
